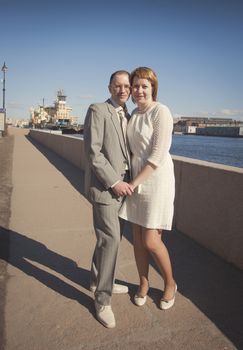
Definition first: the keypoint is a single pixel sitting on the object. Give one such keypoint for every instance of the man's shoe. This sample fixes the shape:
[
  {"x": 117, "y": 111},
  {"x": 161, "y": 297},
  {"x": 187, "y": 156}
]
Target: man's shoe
[
  {"x": 105, "y": 315},
  {"x": 117, "y": 288}
]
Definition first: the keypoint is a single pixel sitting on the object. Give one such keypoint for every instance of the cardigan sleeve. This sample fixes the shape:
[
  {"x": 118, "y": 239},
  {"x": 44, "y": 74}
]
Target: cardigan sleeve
[{"x": 162, "y": 122}]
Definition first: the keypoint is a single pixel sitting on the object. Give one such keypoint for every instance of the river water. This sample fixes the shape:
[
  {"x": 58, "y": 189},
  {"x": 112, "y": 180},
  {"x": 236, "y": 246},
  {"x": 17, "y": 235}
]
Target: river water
[{"x": 223, "y": 150}]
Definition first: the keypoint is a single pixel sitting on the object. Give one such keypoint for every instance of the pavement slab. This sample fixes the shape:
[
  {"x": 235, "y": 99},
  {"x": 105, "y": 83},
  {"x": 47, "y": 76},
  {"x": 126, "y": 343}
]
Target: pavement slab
[{"x": 46, "y": 303}]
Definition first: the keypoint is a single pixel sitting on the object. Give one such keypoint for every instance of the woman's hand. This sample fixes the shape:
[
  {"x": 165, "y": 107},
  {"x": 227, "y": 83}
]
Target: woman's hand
[{"x": 132, "y": 186}]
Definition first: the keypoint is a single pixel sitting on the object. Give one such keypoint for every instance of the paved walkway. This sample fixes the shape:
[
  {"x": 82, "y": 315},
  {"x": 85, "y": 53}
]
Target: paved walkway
[{"x": 45, "y": 301}]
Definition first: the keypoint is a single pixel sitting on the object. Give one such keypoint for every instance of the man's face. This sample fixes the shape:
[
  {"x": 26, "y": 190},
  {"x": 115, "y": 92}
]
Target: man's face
[{"x": 120, "y": 88}]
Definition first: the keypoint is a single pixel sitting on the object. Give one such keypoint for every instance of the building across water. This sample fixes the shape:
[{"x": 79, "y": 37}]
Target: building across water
[
  {"x": 58, "y": 115},
  {"x": 226, "y": 131},
  {"x": 209, "y": 127}
]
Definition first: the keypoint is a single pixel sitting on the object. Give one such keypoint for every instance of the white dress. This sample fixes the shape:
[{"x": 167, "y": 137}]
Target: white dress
[{"x": 149, "y": 135}]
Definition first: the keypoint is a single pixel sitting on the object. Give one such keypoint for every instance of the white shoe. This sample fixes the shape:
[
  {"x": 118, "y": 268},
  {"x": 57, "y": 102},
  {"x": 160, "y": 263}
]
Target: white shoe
[
  {"x": 140, "y": 301},
  {"x": 117, "y": 288},
  {"x": 105, "y": 315},
  {"x": 167, "y": 304}
]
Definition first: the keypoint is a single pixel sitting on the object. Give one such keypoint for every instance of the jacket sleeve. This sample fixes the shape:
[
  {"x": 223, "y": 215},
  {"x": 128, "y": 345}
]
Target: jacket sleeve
[{"x": 94, "y": 133}]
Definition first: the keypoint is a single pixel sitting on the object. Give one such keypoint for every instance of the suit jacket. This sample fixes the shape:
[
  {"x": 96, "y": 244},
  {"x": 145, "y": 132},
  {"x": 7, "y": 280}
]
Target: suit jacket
[{"x": 105, "y": 152}]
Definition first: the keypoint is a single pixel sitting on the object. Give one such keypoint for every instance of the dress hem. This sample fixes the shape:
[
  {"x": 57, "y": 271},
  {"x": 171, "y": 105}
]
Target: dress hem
[{"x": 152, "y": 227}]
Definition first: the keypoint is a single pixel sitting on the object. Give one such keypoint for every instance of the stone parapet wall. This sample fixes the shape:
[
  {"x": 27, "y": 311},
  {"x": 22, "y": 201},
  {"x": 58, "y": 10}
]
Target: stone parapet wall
[
  {"x": 209, "y": 206},
  {"x": 68, "y": 147}
]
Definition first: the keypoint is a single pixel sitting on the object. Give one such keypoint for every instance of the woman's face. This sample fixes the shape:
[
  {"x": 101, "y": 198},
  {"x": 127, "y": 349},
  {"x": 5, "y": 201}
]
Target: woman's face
[{"x": 142, "y": 90}]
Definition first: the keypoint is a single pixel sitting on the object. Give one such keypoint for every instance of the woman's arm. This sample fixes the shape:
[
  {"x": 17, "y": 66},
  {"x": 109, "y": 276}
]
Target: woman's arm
[{"x": 147, "y": 170}]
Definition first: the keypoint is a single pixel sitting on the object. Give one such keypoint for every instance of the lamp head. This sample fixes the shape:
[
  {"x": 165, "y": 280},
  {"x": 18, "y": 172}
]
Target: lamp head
[{"x": 4, "y": 67}]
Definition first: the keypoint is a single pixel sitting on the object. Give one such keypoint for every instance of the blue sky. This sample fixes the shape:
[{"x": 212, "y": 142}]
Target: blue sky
[{"x": 195, "y": 47}]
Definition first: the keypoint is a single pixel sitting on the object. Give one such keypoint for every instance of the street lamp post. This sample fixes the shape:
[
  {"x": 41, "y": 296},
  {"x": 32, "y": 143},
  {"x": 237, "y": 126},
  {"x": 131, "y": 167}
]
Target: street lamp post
[{"x": 4, "y": 69}]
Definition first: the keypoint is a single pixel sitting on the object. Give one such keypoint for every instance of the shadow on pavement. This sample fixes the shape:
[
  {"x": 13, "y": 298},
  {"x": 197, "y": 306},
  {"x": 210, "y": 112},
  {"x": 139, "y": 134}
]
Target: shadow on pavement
[
  {"x": 212, "y": 285},
  {"x": 26, "y": 249}
]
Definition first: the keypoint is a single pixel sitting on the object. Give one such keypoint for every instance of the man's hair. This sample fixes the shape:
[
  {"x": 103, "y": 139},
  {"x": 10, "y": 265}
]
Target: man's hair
[
  {"x": 117, "y": 73},
  {"x": 149, "y": 74}
]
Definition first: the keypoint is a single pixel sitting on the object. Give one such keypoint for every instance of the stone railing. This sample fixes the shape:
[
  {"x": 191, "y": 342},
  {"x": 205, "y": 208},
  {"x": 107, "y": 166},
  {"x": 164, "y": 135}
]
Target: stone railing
[{"x": 208, "y": 203}]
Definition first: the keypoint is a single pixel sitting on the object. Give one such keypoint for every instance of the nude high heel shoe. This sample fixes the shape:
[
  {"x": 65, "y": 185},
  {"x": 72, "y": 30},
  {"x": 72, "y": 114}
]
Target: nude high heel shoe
[
  {"x": 167, "y": 304},
  {"x": 139, "y": 300}
]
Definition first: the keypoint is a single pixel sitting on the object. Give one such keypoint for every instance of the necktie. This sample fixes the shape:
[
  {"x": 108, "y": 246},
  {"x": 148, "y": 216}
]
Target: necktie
[{"x": 123, "y": 123}]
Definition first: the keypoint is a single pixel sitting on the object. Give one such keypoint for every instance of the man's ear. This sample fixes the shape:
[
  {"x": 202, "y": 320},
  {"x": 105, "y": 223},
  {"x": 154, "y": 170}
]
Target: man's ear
[{"x": 109, "y": 88}]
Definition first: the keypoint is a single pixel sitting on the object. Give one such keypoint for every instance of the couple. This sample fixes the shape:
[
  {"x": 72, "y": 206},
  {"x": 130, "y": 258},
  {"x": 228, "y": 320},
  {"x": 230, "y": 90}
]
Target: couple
[{"x": 129, "y": 175}]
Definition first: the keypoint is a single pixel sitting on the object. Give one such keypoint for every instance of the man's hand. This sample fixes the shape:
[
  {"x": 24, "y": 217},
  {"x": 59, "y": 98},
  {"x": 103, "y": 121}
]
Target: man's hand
[{"x": 122, "y": 189}]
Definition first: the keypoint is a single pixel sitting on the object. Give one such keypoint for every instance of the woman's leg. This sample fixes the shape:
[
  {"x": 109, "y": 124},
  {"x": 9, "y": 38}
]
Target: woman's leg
[
  {"x": 153, "y": 243},
  {"x": 142, "y": 259}
]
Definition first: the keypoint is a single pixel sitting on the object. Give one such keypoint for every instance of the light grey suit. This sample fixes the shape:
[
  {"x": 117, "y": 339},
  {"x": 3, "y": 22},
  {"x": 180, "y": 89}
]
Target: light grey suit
[{"x": 106, "y": 161}]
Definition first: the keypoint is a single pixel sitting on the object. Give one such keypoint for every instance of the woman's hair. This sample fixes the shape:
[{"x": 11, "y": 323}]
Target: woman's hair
[{"x": 149, "y": 74}]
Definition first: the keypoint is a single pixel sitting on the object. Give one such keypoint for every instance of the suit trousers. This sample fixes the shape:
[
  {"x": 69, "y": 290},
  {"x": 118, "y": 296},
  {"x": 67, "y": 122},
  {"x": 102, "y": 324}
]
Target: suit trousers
[{"x": 107, "y": 227}]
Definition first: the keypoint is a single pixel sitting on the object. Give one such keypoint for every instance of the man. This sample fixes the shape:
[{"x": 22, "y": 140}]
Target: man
[{"x": 106, "y": 173}]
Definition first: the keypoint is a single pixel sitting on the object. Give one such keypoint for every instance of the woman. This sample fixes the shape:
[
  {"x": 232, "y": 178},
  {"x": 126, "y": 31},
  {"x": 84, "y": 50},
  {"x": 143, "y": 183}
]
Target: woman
[{"x": 150, "y": 208}]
